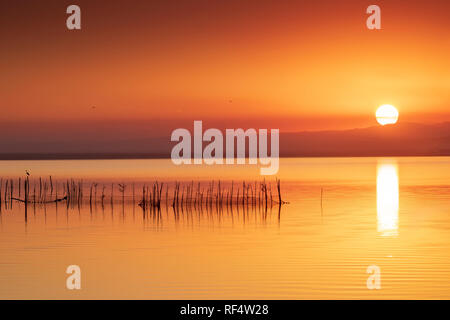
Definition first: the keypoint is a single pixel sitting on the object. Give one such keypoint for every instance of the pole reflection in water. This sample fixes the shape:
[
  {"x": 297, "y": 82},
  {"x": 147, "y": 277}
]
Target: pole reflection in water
[{"x": 387, "y": 198}]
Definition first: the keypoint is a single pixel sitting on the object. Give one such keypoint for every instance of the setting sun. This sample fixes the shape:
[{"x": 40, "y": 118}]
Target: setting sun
[{"x": 387, "y": 114}]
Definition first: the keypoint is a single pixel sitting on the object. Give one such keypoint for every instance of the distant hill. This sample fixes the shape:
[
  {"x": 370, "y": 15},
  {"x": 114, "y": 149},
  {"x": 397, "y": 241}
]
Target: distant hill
[{"x": 402, "y": 139}]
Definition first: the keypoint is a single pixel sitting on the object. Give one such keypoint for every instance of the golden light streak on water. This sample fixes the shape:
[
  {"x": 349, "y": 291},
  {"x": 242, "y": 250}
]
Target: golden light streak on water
[{"x": 387, "y": 198}]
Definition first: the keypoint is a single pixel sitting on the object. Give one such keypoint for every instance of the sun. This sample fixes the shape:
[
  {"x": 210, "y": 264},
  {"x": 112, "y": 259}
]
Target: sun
[{"x": 387, "y": 114}]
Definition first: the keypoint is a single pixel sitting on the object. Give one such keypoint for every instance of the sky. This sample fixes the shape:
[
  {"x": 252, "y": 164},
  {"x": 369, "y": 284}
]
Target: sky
[{"x": 153, "y": 66}]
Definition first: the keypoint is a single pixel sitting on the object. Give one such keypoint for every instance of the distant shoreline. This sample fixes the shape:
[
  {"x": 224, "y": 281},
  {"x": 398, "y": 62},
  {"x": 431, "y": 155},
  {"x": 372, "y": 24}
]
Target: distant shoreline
[
  {"x": 401, "y": 140},
  {"x": 136, "y": 156}
]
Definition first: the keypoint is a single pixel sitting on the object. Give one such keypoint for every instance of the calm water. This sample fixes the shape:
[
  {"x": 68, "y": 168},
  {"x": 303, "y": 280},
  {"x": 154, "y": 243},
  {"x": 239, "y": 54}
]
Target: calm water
[{"x": 392, "y": 213}]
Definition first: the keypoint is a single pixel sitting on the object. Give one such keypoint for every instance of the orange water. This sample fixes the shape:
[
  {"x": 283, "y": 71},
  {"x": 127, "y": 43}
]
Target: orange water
[{"x": 392, "y": 213}]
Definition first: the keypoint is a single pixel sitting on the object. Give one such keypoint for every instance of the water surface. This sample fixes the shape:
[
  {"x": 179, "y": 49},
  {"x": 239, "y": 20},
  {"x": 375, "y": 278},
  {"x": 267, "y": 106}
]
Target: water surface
[{"x": 393, "y": 213}]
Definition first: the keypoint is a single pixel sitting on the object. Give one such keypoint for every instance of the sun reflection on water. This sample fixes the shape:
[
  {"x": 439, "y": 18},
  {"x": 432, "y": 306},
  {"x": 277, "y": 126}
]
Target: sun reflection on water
[{"x": 387, "y": 198}]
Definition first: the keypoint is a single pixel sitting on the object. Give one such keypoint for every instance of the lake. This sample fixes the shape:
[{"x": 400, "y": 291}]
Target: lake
[{"x": 343, "y": 215}]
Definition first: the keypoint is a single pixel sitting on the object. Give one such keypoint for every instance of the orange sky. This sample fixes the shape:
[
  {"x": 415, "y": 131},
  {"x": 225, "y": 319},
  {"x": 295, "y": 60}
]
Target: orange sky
[{"x": 303, "y": 65}]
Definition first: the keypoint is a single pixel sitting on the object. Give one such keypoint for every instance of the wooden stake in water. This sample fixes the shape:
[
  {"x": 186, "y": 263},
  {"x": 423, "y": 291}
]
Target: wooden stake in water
[
  {"x": 321, "y": 201},
  {"x": 26, "y": 190}
]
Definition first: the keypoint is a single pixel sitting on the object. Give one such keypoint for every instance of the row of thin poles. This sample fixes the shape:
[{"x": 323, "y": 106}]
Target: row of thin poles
[
  {"x": 41, "y": 191},
  {"x": 47, "y": 190},
  {"x": 189, "y": 210},
  {"x": 193, "y": 194}
]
